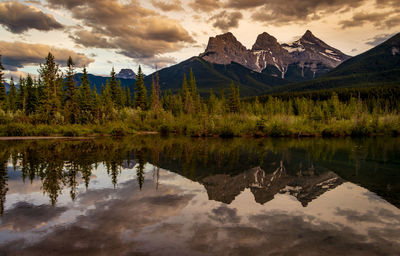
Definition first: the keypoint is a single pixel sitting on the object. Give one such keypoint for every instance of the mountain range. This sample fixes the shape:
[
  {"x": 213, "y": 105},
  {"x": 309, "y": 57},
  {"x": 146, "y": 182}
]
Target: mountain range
[
  {"x": 270, "y": 67},
  {"x": 309, "y": 55},
  {"x": 379, "y": 66}
]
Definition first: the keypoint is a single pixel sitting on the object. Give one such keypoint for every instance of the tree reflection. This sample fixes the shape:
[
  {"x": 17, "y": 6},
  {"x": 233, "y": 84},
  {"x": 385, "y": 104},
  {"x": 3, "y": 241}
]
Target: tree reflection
[
  {"x": 141, "y": 160},
  {"x": 63, "y": 165},
  {"x": 3, "y": 179}
]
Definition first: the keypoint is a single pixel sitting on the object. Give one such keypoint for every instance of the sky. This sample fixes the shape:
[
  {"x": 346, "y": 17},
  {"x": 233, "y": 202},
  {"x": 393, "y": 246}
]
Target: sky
[{"x": 101, "y": 34}]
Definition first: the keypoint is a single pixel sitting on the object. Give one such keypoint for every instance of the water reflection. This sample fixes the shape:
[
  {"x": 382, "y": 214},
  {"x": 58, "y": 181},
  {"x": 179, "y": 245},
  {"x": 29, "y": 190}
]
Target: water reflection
[
  {"x": 147, "y": 195},
  {"x": 302, "y": 168}
]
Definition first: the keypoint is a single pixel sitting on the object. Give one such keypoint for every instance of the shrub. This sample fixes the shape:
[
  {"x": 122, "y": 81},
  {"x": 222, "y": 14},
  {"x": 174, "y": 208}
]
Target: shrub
[
  {"x": 118, "y": 132},
  {"x": 15, "y": 129},
  {"x": 164, "y": 130}
]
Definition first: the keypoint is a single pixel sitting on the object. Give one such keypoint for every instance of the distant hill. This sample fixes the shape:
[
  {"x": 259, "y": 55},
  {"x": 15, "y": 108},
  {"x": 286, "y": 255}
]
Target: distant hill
[
  {"x": 216, "y": 76},
  {"x": 98, "y": 81},
  {"x": 380, "y": 66}
]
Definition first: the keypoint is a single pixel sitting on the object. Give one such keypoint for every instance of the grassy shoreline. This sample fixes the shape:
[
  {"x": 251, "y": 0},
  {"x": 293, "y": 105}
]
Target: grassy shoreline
[{"x": 234, "y": 125}]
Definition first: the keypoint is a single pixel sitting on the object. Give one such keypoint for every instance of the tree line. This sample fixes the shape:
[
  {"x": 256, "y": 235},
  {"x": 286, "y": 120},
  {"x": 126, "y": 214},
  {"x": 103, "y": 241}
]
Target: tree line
[{"x": 55, "y": 99}]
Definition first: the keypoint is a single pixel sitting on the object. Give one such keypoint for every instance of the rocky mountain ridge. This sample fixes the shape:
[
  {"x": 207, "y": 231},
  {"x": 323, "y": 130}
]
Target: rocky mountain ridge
[
  {"x": 126, "y": 73},
  {"x": 305, "y": 186},
  {"x": 307, "y": 57}
]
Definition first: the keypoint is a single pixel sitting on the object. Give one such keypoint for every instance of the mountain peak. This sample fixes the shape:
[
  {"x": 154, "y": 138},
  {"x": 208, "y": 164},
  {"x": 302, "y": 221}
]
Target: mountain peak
[
  {"x": 126, "y": 73},
  {"x": 223, "y": 49},
  {"x": 265, "y": 42},
  {"x": 309, "y": 36},
  {"x": 227, "y": 39}
]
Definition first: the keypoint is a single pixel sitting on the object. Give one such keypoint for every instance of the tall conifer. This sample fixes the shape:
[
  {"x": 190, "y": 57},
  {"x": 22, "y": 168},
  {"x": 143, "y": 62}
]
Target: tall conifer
[{"x": 140, "y": 99}]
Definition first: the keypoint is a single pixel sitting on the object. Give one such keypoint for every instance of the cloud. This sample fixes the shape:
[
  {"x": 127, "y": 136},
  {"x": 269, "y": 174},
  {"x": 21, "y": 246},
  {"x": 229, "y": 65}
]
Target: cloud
[
  {"x": 285, "y": 12},
  {"x": 90, "y": 39},
  {"x": 18, "y": 18},
  {"x": 376, "y": 40},
  {"x": 115, "y": 220},
  {"x": 239, "y": 4},
  {"x": 174, "y": 5},
  {"x": 224, "y": 214},
  {"x": 205, "y": 5},
  {"x": 18, "y": 54},
  {"x": 361, "y": 18},
  {"x": 16, "y": 75},
  {"x": 135, "y": 32},
  {"x": 24, "y": 216},
  {"x": 225, "y": 20},
  {"x": 158, "y": 62}
]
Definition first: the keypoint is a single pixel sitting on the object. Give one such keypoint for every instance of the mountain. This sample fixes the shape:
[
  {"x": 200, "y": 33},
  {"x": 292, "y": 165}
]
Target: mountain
[
  {"x": 304, "y": 59},
  {"x": 7, "y": 86},
  {"x": 378, "y": 66},
  {"x": 216, "y": 76},
  {"x": 98, "y": 81},
  {"x": 126, "y": 73},
  {"x": 305, "y": 187}
]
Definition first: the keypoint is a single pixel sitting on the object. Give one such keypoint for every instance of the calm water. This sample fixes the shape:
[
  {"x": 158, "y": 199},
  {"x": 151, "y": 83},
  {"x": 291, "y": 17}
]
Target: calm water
[{"x": 181, "y": 196}]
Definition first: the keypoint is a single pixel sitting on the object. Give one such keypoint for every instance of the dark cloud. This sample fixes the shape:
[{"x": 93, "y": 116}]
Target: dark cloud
[
  {"x": 279, "y": 233},
  {"x": 382, "y": 216},
  {"x": 90, "y": 39},
  {"x": 226, "y": 20},
  {"x": 361, "y": 18},
  {"x": 134, "y": 31},
  {"x": 224, "y": 214},
  {"x": 394, "y": 20},
  {"x": 284, "y": 12},
  {"x": 17, "y": 54},
  {"x": 205, "y": 5},
  {"x": 24, "y": 216},
  {"x": 376, "y": 40},
  {"x": 173, "y": 5},
  {"x": 18, "y": 18},
  {"x": 240, "y": 4}
]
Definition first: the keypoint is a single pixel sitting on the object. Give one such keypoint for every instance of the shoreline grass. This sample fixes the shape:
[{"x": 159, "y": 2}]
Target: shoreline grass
[{"x": 232, "y": 125}]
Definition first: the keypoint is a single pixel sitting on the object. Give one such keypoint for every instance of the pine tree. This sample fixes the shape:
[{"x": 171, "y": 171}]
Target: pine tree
[
  {"x": 107, "y": 99},
  {"x": 85, "y": 97},
  {"x": 196, "y": 102},
  {"x": 3, "y": 93},
  {"x": 140, "y": 99},
  {"x": 70, "y": 81},
  {"x": 192, "y": 84},
  {"x": 21, "y": 95},
  {"x": 31, "y": 96},
  {"x": 71, "y": 107},
  {"x": 187, "y": 99},
  {"x": 234, "y": 99},
  {"x": 185, "y": 89},
  {"x": 128, "y": 102},
  {"x": 116, "y": 92},
  {"x": 12, "y": 96},
  {"x": 155, "y": 94},
  {"x": 49, "y": 73}
]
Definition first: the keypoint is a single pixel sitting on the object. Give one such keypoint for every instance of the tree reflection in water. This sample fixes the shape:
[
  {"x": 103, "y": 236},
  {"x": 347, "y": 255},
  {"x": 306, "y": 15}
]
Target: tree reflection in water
[{"x": 266, "y": 166}]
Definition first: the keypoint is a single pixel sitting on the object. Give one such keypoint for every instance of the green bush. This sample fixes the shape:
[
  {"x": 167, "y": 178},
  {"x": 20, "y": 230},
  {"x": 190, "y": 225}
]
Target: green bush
[
  {"x": 15, "y": 129},
  {"x": 118, "y": 132},
  {"x": 164, "y": 130}
]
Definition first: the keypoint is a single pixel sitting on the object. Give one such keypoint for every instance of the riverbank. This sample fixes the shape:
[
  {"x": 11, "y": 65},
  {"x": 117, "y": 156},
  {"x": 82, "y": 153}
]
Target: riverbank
[{"x": 233, "y": 125}]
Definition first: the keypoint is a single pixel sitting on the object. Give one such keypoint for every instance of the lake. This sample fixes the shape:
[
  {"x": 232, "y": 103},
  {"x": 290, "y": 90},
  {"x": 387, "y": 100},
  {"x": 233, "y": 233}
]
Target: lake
[{"x": 149, "y": 195}]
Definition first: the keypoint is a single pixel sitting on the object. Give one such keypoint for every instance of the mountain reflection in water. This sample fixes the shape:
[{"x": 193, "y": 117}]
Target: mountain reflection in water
[{"x": 163, "y": 196}]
